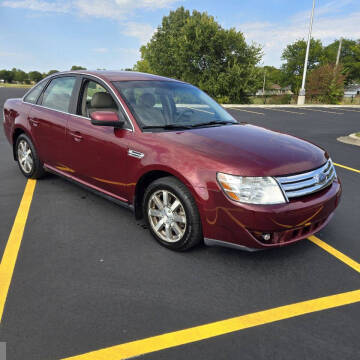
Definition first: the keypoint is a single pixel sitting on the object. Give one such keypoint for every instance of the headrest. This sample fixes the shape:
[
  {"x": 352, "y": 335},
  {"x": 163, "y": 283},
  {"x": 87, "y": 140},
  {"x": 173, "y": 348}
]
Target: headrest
[
  {"x": 147, "y": 100},
  {"x": 102, "y": 100}
]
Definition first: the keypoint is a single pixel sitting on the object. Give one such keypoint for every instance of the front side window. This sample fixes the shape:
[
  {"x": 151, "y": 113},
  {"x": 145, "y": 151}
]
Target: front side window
[
  {"x": 95, "y": 97},
  {"x": 170, "y": 104},
  {"x": 57, "y": 95},
  {"x": 34, "y": 93}
]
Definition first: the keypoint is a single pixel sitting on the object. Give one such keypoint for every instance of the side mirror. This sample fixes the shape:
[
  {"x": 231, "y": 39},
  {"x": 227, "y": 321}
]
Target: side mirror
[{"x": 106, "y": 118}]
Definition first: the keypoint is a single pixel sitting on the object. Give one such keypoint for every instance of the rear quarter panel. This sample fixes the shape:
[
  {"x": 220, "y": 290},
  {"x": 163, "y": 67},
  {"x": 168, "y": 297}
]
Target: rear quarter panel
[{"x": 15, "y": 116}]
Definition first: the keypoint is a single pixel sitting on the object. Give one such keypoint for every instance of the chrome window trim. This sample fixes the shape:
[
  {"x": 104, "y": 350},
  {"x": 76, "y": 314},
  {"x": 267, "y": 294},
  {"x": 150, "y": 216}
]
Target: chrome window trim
[
  {"x": 303, "y": 184},
  {"x": 28, "y": 92},
  {"x": 84, "y": 74},
  {"x": 67, "y": 113}
]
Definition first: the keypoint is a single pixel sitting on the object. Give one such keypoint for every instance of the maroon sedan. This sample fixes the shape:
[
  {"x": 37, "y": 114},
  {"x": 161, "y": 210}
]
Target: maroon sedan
[{"x": 171, "y": 154}]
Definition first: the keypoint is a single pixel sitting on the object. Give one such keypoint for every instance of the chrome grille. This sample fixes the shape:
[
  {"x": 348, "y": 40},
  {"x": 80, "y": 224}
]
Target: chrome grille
[{"x": 309, "y": 182}]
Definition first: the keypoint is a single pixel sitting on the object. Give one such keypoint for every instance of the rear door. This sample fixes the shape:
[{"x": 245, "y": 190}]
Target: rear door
[{"x": 49, "y": 117}]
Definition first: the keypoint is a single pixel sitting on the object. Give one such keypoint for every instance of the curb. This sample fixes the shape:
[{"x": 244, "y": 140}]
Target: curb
[
  {"x": 354, "y": 137},
  {"x": 351, "y": 139}
]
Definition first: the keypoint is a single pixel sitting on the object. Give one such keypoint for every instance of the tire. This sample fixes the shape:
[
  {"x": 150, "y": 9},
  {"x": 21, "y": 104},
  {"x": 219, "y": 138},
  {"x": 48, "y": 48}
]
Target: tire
[
  {"x": 31, "y": 166},
  {"x": 180, "y": 229}
]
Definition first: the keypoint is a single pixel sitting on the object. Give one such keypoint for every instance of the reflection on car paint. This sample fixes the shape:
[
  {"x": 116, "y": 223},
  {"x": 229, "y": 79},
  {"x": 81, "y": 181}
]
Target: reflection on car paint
[
  {"x": 113, "y": 182},
  {"x": 64, "y": 168},
  {"x": 305, "y": 222}
]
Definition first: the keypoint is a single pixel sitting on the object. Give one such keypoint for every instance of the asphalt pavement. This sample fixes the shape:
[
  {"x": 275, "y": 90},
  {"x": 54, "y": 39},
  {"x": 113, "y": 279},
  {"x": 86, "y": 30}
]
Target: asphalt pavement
[{"x": 89, "y": 276}]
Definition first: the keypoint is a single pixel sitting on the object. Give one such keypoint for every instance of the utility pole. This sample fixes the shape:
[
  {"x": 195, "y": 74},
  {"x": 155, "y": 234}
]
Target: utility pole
[
  {"x": 301, "y": 97},
  {"x": 339, "y": 52},
  {"x": 263, "y": 92}
]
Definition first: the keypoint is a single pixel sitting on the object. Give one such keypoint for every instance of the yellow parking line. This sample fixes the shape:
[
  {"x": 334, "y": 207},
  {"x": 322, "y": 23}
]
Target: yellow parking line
[
  {"x": 8, "y": 260},
  {"x": 185, "y": 336},
  {"x": 210, "y": 330},
  {"x": 347, "y": 168},
  {"x": 330, "y": 112},
  {"x": 253, "y": 112},
  {"x": 339, "y": 255},
  {"x": 288, "y": 111}
]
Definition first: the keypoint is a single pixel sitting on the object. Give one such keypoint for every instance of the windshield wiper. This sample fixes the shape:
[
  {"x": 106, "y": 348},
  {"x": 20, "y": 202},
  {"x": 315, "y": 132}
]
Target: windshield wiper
[
  {"x": 177, "y": 127},
  {"x": 224, "y": 122},
  {"x": 167, "y": 127}
]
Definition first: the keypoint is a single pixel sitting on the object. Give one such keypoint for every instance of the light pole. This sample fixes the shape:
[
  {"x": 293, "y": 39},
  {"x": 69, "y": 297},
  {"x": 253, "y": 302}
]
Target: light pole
[
  {"x": 301, "y": 97},
  {"x": 338, "y": 53},
  {"x": 263, "y": 92}
]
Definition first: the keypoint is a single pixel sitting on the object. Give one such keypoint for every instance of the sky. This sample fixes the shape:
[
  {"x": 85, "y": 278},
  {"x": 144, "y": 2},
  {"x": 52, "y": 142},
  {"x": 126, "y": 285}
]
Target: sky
[{"x": 55, "y": 34}]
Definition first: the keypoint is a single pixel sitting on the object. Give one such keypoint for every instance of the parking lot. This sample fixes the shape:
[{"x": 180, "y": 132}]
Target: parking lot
[{"x": 91, "y": 283}]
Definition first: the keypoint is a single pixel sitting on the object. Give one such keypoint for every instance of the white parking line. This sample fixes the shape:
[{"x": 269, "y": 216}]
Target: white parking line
[
  {"x": 205, "y": 111},
  {"x": 330, "y": 112},
  {"x": 349, "y": 110},
  {"x": 253, "y": 112},
  {"x": 288, "y": 111}
]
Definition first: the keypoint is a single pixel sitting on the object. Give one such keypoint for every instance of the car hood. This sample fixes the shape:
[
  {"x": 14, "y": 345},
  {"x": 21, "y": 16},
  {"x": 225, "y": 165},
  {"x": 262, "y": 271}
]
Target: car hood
[{"x": 247, "y": 150}]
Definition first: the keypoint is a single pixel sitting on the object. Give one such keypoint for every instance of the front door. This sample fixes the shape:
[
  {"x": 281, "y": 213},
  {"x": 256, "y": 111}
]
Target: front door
[{"x": 97, "y": 155}]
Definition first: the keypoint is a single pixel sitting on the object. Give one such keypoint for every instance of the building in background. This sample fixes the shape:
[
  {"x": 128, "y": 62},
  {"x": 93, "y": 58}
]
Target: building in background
[
  {"x": 352, "y": 90},
  {"x": 275, "y": 89}
]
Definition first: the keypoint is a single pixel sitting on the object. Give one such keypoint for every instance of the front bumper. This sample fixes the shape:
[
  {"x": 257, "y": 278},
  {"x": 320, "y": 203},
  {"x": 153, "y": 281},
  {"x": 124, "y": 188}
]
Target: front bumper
[{"x": 242, "y": 225}]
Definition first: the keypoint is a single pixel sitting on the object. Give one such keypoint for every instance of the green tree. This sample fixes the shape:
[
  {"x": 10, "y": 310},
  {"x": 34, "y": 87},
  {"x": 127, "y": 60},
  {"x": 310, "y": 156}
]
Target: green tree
[
  {"x": 352, "y": 69},
  {"x": 143, "y": 64},
  {"x": 51, "y": 72},
  {"x": 76, "y": 67},
  {"x": 349, "y": 58},
  {"x": 35, "y": 76},
  {"x": 294, "y": 57},
  {"x": 193, "y": 47},
  {"x": 19, "y": 75},
  {"x": 326, "y": 84},
  {"x": 273, "y": 76},
  {"x": 7, "y": 75}
]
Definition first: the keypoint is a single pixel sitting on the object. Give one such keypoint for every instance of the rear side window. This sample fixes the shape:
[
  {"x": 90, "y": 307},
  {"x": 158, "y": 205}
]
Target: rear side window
[
  {"x": 34, "y": 93},
  {"x": 57, "y": 95}
]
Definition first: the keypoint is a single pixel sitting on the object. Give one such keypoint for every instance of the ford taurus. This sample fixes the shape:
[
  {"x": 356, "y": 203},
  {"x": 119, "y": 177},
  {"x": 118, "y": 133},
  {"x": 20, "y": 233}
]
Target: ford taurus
[{"x": 171, "y": 154}]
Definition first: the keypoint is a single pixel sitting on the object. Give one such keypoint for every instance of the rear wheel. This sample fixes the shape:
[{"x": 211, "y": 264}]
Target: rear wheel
[
  {"x": 27, "y": 158},
  {"x": 172, "y": 214}
]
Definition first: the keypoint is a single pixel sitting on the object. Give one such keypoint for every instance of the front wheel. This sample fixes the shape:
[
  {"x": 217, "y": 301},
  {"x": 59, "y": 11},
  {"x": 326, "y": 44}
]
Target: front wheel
[{"x": 172, "y": 215}]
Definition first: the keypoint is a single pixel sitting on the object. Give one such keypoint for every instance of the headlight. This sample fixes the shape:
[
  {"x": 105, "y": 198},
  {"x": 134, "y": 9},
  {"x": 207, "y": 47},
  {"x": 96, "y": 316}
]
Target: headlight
[{"x": 252, "y": 190}]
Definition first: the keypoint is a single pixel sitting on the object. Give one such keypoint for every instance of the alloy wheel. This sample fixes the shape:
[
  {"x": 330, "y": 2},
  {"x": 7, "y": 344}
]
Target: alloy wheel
[
  {"x": 167, "y": 216},
  {"x": 25, "y": 157}
]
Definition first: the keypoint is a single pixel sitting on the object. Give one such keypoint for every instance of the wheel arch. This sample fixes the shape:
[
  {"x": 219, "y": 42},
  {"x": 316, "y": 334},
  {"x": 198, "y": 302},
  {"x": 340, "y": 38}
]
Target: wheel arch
[
  {"x": 16, "y": 133},
  {"x": 145, "y": 180}
]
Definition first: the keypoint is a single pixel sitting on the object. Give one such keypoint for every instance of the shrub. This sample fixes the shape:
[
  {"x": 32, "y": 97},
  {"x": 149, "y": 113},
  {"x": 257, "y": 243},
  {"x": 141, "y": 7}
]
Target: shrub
[{"x": 326, "y": 84}]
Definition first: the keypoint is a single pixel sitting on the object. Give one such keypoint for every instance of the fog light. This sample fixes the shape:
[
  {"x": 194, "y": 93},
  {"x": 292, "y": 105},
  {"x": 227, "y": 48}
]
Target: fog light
[{"x": 266, "y": 237}]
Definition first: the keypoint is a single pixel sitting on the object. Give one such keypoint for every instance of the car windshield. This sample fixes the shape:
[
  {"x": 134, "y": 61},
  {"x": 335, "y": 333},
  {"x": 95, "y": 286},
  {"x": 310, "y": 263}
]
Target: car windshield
[{"x": 167, "y": 105}]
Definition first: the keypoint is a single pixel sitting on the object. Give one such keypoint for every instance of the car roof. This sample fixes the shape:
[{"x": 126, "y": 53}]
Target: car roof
[{"x": 114, "y": 75}]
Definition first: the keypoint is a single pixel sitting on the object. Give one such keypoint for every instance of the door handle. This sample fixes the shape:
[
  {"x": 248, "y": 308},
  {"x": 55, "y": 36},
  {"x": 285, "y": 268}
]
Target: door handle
[
  {"x": 76, "y": 136},
  {"x": 33, "y": 122}
]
